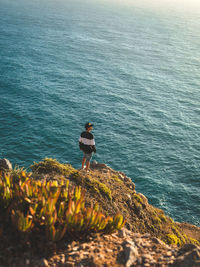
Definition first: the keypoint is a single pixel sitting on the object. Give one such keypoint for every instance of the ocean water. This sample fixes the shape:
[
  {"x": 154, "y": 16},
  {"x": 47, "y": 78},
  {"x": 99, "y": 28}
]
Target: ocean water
[{"x": 132, "y": 70}]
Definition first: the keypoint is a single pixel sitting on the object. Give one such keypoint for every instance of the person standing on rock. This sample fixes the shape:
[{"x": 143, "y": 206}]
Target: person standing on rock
[{"x": 87, "y": 145}]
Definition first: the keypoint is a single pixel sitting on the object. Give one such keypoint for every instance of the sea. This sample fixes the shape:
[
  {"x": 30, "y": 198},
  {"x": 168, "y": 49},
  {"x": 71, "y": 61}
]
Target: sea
[{"x": 132, "y": 68}]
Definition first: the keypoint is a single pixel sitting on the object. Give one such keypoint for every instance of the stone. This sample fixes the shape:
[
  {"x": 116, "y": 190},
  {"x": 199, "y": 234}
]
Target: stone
[
  {"x": 169, "y": 254},
  {"x": 101, "y": 256},
  {"x": 62, "y": 257},
  {"x": 128, "y": 242},
  {"x": 128, "y": 196},
  {"x": 157, "y": 241},
  {"x": 75, "y": 248},
  {"x": 85, "y": 253},
  {"x": 119, "y": 247},
  {"x": 131, "y": 186},
  {"x": 5, "y": 165},
  {"x": 127, "y": 179},
  {"x": 145, "y": 200},
  {"x": 73, "y": 244},
  {"x": 190, "y": 259},
  {"x": 69, "y": 264},
  {"x": 27, "y": 261},
  {"x": 84, "y": 246},
  {"x": 122, "y": 233},
  {"x": 101, "y": 166},
  {"x": 128, "y": 226},
  {"x": 147, "y": 235},
  {"x": 43, "y": 263},
  {"x": 186, "y": 248},
  {"x": 96, "y": 250},
  {"x": 121, "y": 177},
  {"x": 131, "y": 254},
  {"x": 74, "y": 255},
  {"x": 188, "y": 256},
  {"x": 114, "y": 235},
  {"x": 147, "y": 257}
]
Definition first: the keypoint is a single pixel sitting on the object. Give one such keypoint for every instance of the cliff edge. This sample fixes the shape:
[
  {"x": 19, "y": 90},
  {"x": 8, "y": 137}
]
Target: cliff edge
[{"x": 149, "y": 237}]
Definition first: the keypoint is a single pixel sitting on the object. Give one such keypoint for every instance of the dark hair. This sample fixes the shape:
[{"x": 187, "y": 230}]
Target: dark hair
[{"x": 88, "y": 125}]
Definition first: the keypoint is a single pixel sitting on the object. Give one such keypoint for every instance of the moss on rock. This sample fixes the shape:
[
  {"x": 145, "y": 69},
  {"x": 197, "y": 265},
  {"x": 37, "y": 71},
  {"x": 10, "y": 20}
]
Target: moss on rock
[{"x": 49, "y": 165}]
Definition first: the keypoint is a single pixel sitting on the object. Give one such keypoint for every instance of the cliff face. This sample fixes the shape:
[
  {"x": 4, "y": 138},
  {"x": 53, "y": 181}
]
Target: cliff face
[
  {"x": 149, "y": 238},
  {"x": 115, "y": 192}
]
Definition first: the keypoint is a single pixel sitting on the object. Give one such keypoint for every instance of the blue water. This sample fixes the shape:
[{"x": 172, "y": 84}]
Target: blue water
[{"x": 133, "y": 71}]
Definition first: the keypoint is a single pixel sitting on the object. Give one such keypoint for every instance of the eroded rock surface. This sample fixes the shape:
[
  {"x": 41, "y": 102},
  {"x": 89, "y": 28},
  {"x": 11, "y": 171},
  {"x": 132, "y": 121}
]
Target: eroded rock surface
[{"x": 122, "y": 248}]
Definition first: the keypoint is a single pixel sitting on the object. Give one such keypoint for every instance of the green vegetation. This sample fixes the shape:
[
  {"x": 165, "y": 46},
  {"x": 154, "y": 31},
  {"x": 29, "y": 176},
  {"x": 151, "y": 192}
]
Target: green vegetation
[
  {"x": 137, "y": 198},
  {"x": 163, "y": 218},
  {"x": 116, "y": 179},
  {"x": 95, "y": 185},
  {"x": 49, "y": 165},
  {"x": 172, "y": 239},
  {"x": 194, "y": 241},
  {"x": 181, "y": 237},
  {"x": 157, "y": 220},
  {"x": 55, "y": 210}
]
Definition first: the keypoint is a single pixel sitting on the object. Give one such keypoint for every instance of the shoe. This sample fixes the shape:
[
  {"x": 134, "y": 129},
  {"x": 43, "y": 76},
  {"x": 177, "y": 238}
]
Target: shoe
[{"x": 81, "y": 169}]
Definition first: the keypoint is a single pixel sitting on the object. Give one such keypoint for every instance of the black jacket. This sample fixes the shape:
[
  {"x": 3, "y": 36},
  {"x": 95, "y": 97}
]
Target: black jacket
[{"x": 87, "y": 142}]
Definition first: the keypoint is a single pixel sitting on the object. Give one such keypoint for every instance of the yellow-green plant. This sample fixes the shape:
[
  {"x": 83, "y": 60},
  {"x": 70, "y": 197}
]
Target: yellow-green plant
[
  {"x": 172, "y": 239},
  {"x": 56, "y": 208},
  {"x": 24, "y": 223}
]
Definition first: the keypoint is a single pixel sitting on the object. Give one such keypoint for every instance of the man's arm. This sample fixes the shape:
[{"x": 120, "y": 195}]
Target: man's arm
[
  {"x": 80, "y": 145},
  {"x": 94, "y": 149}
]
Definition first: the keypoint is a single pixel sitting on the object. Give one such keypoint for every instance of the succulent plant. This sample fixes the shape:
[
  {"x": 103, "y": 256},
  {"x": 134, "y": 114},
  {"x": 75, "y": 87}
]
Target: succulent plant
[{"x": 53, "y": 207}]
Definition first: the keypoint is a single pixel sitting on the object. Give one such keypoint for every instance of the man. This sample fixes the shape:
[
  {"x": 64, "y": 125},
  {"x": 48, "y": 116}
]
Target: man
[{"x": 87, "y": 145}]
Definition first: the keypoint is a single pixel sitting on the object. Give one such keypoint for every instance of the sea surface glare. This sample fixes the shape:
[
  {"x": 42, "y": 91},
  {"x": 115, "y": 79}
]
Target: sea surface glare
[{"x": 133, "y": 71}]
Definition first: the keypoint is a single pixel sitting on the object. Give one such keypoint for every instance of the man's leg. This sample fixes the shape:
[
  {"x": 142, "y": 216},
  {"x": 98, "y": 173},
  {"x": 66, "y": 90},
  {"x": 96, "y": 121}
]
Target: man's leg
[
  {"x": 87, "y": 165},
  {"x": 83, "y": 162}
]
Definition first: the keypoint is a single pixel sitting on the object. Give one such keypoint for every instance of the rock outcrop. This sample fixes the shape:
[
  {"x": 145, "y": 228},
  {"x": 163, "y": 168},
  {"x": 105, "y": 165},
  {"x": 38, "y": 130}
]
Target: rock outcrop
[
  {"x": 5, "y": 165},
  {"x": 149, "y": 238}
]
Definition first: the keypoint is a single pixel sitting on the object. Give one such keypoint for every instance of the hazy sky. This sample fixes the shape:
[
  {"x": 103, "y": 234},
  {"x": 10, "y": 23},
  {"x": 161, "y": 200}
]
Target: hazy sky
[
  {"x": 165, "y": 2},
  {"x": 177, "y": 4}
]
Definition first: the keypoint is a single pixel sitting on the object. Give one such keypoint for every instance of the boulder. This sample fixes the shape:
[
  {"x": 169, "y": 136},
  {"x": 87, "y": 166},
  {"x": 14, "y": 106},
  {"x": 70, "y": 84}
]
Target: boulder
[
  {"x": 130, "y": 252},
  {"x": 94, "y": 163},
  {"x": 5, "y": 165},
  {"x": 145, "y": 200},
  {"x": 188, "y": 256}
]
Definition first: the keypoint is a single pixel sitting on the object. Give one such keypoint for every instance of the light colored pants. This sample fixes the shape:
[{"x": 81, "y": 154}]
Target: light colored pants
[{"x": 88, "y": 156}]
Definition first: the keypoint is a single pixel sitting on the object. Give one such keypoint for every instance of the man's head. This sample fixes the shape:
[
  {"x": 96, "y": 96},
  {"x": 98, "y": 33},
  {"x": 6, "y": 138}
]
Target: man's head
[{"x": 88, "y": 126}]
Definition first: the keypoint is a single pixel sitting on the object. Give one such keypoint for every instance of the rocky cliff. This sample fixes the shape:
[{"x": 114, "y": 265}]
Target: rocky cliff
[{"x": 149, "y": 238}]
